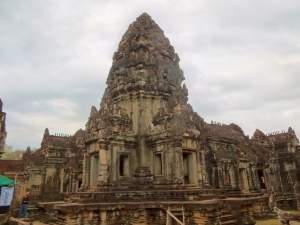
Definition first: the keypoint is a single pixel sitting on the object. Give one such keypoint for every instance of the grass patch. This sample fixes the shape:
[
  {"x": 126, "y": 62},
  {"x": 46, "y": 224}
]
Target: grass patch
[{"x": 272, "y": 222}]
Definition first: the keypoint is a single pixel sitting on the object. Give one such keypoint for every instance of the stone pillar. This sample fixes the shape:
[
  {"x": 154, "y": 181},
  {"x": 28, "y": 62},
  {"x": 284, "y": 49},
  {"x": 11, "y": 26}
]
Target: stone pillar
[
  {"x": 84, "y": 171},
  {"x": 177, "y": 162},
  {"x": 203, "y": 167},
  {"x": 103, "y": 164},
  {"x": 220, "y": 176},
  {"x": 141, "y": 148},
  {"x": 87, "y": 172},
  {"x": 61, "y": 176},
  {"x": 103, "y": 215},
  {"x": 232, "y": 175},
  {"x": 199, "y": 169}
]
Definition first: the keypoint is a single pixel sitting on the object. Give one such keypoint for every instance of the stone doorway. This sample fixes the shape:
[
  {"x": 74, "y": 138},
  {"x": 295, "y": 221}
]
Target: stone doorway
[
  {"x": 158, "y": 164},
  {"x": 261, "y": 179},
  {"x": 94, "y": 170},
  {"x": 124, "y": 166},
  {"x": 189, "y": 168},
  {"x": 79, "y": 182}
]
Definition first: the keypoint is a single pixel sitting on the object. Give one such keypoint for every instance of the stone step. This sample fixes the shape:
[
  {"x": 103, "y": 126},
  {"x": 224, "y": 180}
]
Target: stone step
[
  {"x": 226, "y": 217},
  {"x": 229, "y": 222},
  {"x": 17, "y": 221}
]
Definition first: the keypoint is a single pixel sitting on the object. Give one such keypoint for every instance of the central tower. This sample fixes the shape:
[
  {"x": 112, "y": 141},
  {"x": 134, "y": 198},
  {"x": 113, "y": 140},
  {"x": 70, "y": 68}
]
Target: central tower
[{"x": 144, "y": 132}]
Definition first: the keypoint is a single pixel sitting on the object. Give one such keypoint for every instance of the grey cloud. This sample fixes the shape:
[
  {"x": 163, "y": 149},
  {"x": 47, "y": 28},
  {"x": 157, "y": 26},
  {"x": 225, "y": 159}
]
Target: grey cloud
[{"x": 240, "y": 60}]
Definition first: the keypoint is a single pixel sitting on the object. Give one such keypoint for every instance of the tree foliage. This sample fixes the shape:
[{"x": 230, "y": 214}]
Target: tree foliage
[
  {"x": 9, "y": 154},
  {"x": 7, "y": 150}
]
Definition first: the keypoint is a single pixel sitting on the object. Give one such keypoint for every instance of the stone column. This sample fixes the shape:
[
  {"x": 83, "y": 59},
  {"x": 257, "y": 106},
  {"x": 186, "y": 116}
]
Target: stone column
[
  {"x": 232, "y": 175},
  {"x": 103, "y": 215},
  {"x": 61, "y": 175},
  {"x": 199, "y": 170},
  {"x": 84, "y": 172},
  {"x": 203, "y": 167},
  {"x": 87, "y": 174},
  {"x": 177, "y": 162},
  {"x": 102, "y": 166}
]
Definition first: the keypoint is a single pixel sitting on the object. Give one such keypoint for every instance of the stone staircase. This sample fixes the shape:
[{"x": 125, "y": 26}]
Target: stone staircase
[
  {"x": 227, "y": 218},
  {"x": 16, "y": 221}
]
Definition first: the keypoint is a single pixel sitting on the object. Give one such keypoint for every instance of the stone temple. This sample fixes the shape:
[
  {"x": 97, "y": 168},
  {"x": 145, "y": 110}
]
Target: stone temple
[{"x": 145, "y": 157}]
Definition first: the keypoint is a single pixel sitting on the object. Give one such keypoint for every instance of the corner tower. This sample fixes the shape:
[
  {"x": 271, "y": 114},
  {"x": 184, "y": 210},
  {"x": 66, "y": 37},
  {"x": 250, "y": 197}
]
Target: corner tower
[{"x": 145, "y": 131}]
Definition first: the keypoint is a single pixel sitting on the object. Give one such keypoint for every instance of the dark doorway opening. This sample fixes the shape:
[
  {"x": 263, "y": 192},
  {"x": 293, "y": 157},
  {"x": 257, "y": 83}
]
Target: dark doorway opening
[
  {"x": 123, "y": 165},
  {"x": 261, "y": 179},
  {"x": 158, "y": 164},
  {"x": 186, "y": 168},
  {"x": 79, "y": 184}
]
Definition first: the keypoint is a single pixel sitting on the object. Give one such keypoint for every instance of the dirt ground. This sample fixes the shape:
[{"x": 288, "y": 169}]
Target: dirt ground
[{"x": 273, "y": 222}]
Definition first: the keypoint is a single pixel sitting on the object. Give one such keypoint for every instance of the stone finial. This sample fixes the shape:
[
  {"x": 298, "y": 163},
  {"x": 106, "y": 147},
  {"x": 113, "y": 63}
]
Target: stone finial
[
  {"x": 93, "y": 111},
  {"x": 258, "y": 134},
  {"x": 1, "y": 105},
  {"x": 46, "y": 133},
  {"x": 291, "y": 131},
  {"x": 236, "y": 127}
]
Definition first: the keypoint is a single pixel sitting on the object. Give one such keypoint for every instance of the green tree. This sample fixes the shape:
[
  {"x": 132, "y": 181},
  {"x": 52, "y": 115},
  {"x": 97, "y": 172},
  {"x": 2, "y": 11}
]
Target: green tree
[
  {"x": 7, "y": 150},
  {"x": 15, "y": 155}
]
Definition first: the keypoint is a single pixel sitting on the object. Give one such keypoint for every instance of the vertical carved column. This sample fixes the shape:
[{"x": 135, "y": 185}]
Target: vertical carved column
[
  {"x": 61, "y": 176},
  {"x": 199, "y": 169},
  {"x": 141, "y": 150},
  {"x": 102, "y": 166},
  {"x": 177, "y": 149},
  {"x": 203, "y": 166},
  {"x": 103, "y": 215},
  {"x": 167, "y": 163},
  {"x": 88, "y": 166},
  {"x": 232, "y": 176},
  {"x": 84, "y": 172},
  {"x": 74, "y": 183},
  {"x": 220, "y": 177}
]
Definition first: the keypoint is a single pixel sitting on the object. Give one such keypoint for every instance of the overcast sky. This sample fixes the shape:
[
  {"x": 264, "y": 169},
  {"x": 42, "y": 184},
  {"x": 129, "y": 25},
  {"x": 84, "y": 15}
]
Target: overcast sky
[{"x": 241, "y": 60}]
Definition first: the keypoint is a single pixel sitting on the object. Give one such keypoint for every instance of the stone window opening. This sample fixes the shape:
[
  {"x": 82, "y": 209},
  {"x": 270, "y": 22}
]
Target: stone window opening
[
  {"x": 124, "y": 165},
  {"x": 158, "y": 164}
]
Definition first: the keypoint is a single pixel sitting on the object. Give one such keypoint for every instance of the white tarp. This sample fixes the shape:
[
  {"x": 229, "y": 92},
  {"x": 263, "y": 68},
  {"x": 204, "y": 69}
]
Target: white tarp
[{"x": 7, "y": 194}]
